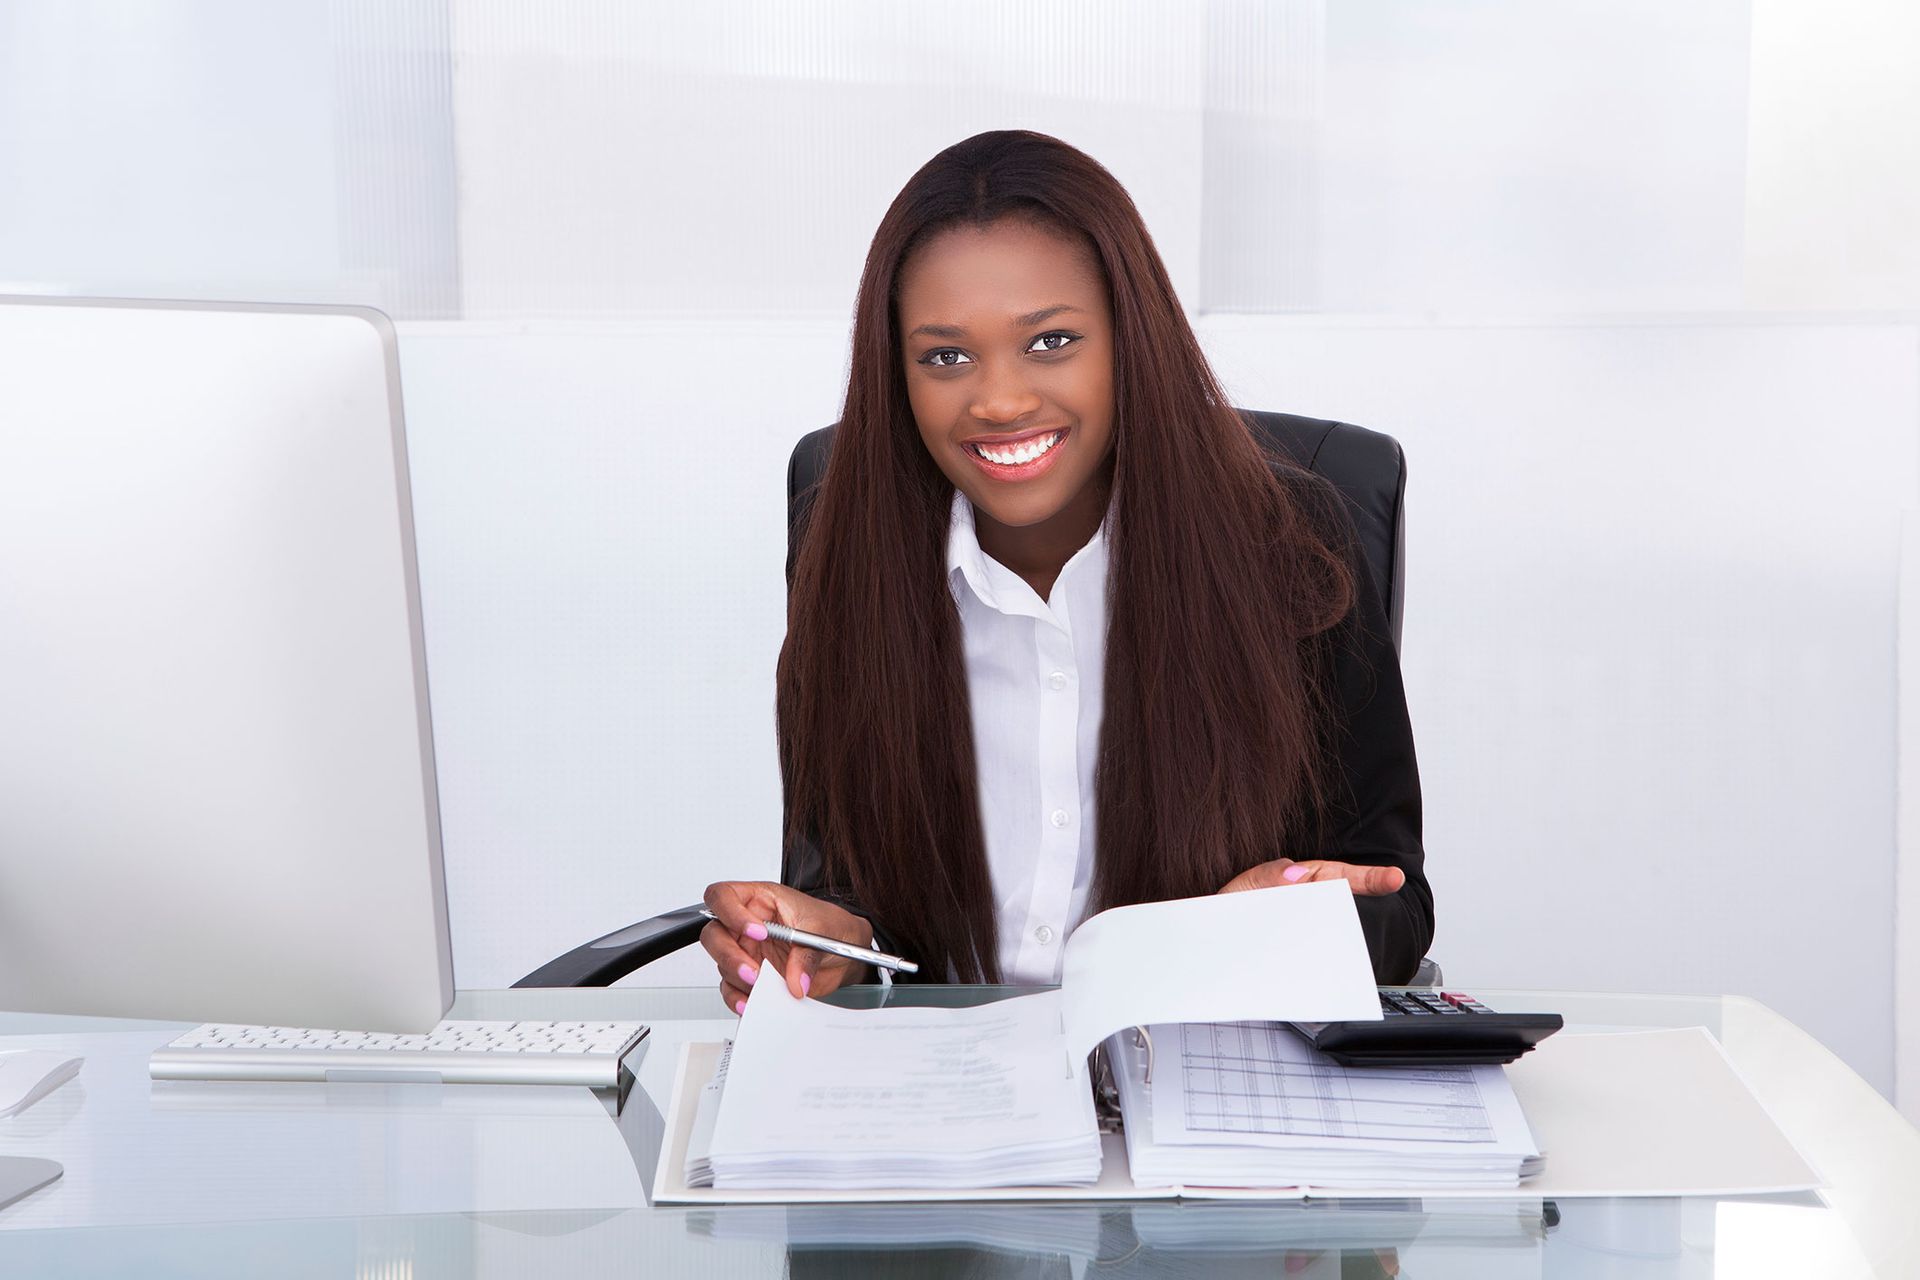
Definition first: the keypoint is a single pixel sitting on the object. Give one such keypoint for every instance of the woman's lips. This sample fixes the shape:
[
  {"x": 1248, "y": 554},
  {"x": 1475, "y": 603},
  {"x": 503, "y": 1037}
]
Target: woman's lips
[{"x": 1019, "y": 471}]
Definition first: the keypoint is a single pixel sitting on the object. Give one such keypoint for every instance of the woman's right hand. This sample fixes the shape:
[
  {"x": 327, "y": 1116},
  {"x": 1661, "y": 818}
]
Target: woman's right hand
[{"x": 738, "y": 942}]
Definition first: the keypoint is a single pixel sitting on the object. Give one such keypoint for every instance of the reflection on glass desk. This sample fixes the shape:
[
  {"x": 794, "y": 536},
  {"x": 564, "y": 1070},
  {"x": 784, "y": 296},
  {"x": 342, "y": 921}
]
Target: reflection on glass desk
[{"x": 1862, "y": 1224}]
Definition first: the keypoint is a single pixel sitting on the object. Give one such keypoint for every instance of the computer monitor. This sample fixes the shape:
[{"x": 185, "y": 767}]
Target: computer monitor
[{"x": 217, "y": 795}]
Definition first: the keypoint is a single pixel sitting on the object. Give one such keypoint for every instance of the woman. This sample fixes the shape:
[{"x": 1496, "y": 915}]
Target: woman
[{"x": 1061, "y": 636}]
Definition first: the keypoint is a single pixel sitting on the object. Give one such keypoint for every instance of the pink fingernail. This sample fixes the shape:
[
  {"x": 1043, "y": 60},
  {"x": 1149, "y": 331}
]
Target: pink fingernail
[
  {"x": 1295, "y": 873},
  {"x": 740, "y": 1006},
  {"x": 756, "y": 931},
  {"x": 748, "y": 974},
  {"x": 806, "y": 984}
]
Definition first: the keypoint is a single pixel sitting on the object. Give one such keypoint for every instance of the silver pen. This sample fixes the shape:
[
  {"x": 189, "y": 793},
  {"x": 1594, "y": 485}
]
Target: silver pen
[{"x": 833, "y": 946}]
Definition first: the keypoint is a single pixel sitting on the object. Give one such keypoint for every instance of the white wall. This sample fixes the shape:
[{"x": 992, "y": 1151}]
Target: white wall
[
  {"x": 601, "y": 519},
  {"x": 1832, "y": 196},
  {"x": 297, "y": 152},
  {"x": 726, "y": 159},
  {"x": 1906, "y": 876},
  {"x": 1651, "y": 591}
]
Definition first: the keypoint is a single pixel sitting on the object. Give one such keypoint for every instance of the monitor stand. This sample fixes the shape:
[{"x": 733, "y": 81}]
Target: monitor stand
[{"x": 20, "y": 1175}]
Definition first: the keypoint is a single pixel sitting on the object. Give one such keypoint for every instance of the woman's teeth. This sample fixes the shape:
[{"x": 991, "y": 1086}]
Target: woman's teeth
[{"x": 1014, "y": 455}]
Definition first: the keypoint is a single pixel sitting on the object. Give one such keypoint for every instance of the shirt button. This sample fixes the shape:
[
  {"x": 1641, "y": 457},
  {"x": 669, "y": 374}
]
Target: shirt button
[
  {"x": 1060, "y": 818},
  {"x": 1043, "y": 934},
  {"x": 1058, "y": 680}
]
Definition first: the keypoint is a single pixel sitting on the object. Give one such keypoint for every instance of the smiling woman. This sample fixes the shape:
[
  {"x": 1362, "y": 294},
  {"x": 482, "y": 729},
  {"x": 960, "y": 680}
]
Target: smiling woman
[
  {"x": 1061, "y": 636},
  {"x": 1019, "y": 417}
]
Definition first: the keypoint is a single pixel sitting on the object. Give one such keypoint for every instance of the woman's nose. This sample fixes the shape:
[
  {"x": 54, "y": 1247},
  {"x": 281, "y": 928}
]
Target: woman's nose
[{"x": 1004, "y": 397}]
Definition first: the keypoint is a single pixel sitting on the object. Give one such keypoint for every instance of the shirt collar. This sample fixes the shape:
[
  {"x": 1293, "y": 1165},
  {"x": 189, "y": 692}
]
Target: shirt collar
[
  {"x": 998, "y": 587},
  {"x": 964, "y": 556}
]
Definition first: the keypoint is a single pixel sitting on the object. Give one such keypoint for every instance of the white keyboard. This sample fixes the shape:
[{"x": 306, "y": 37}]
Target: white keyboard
[{"x": 587, "y": 1053}]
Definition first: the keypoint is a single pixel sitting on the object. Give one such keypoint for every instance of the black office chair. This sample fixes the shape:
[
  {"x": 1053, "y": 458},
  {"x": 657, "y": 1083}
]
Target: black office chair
[{"x": 1365, "y": 466}]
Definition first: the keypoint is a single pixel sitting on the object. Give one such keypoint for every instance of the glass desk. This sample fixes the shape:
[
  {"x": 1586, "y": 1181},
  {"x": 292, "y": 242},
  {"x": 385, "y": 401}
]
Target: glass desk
[{"x": 1864, "y": 1224}]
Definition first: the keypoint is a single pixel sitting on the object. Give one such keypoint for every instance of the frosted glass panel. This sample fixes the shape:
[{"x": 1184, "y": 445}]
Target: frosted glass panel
[
  {"x": 1411, "y": 157},
  {"x": 491, "y": 159},
  {"x": 618, "y": 159},
  {"x": 1263, "y": 195},
  {"x": 288, "y": 152},
  {"x": 1529, "y": 158}
]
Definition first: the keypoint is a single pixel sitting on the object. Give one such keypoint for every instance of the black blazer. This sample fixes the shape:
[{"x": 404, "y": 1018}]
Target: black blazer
[{"x": 1374, "y": 814}]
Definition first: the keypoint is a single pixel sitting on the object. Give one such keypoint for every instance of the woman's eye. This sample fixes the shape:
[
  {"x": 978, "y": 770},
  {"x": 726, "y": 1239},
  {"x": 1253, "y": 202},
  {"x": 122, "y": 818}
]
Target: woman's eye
[{"x": 952, "y": 357}]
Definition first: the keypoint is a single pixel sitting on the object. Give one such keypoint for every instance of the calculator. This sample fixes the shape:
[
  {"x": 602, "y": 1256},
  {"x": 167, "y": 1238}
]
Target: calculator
[{"x": 1426, "y": 1028}]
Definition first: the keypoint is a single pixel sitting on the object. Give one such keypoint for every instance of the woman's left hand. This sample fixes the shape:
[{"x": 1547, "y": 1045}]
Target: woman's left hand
[{"x": 1366, "y": 881}]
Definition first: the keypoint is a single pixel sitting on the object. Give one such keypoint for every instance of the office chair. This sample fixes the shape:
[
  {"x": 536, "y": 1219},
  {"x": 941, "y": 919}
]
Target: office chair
[{"x": 1367, "y": 468}]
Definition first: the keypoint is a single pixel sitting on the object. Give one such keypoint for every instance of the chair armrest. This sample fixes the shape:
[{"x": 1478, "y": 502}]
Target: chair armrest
[{"x": 600, "y": 962}]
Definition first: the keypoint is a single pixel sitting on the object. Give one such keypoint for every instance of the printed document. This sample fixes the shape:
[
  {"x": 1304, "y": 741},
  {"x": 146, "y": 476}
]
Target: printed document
[
  {"x": 902, "y": 1097},
  {"x": 1255, "y": 1104},
  {"x": 1000, "y": 1094}
]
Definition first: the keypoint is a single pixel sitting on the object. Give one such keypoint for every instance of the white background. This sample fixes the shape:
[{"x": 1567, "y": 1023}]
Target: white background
[{"x": 1634, "y": 283}]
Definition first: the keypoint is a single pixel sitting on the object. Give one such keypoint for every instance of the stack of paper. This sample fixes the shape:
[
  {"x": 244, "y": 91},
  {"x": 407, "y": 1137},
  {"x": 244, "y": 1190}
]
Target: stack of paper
[
  {"x": 858, "y": 1098},
  {"x": 1251, "y": 1104},
  {"x": 999, "y": 1095}
]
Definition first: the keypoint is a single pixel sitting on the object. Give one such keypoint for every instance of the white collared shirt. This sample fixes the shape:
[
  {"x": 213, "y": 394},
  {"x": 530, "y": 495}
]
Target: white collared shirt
[{"x": 1035, "y": 677}]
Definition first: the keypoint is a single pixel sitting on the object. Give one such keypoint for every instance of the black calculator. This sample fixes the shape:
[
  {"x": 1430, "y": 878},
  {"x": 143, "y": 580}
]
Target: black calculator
[{"x": 1426, "y": 1028}]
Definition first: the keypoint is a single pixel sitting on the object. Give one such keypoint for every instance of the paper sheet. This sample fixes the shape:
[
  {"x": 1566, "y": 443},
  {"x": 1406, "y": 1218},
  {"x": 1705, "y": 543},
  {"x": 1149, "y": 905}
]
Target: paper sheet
[
  {"x": 1255, "y": 1084},
  {"x": 696, "y": 1066},
  {"x": 139, "y": 1151},
  {"x": 998, "y": 1094},
  {"x": 1250, "y": 1104},
  {"x": 705, "y": 1116},
  {"x": 1293, "y": 953},
  {"x": 894, "y": 1083}
]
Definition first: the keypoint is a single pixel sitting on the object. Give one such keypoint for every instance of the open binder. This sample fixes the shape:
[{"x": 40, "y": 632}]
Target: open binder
[
  {"x": 1642, "y": 1113},
  {"x": 818, "y": 1103}
]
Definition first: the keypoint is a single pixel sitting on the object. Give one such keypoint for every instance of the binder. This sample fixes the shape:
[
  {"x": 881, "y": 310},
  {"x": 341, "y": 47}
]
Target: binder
[{"x": 1648, "y": 1113}]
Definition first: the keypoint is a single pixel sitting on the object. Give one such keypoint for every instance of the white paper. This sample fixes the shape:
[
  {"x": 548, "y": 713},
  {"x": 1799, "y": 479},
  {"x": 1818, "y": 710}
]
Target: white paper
[
  {"x": 1255, "y": 1084},
  {"x": 1294, "y": 953},
  {"x": 699, "y": 1162},
  {"x": 1251, "y": 1104},
  {"x": 920, "y": 1096},
  {"x": 141, "y": 1151},
  {"x": 695, "y": 1067},
  {"x": 998, "y": 1094}
]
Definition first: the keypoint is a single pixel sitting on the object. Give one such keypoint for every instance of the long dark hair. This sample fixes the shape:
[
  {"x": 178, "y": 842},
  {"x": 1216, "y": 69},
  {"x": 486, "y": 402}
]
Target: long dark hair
[{"x": 1223, "y": 581}]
